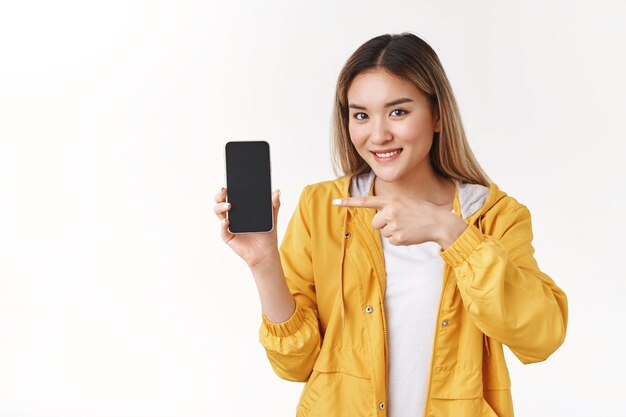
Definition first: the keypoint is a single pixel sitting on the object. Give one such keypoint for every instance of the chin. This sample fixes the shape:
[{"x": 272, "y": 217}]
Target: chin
[{"x": 387, "y": 174}]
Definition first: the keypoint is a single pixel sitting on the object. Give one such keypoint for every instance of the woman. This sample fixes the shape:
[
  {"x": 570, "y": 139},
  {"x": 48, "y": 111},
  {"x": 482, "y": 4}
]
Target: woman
[{"x": 396, "y": 284}]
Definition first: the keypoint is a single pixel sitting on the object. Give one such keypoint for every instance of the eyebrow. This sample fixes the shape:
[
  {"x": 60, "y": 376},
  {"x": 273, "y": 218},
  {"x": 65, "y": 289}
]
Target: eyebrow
[{"x": 391, "y": 103}]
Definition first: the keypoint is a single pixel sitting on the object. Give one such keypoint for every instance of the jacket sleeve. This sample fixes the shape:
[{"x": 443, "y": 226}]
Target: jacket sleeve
[
  {"x": 293, "y": 345},
  {"x": 505, "y": 293}
]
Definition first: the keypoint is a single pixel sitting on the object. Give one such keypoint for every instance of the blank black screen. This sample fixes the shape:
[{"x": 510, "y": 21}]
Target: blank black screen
[{"x": 249, "y": 188}]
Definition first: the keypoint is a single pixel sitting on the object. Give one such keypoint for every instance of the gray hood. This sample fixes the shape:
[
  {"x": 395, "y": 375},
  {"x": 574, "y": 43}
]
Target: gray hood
[{"x": 472, "y": 197}]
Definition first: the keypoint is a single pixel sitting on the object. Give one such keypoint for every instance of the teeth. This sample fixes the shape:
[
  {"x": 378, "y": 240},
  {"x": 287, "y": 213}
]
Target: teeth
[{"x": 387, "y": 155}]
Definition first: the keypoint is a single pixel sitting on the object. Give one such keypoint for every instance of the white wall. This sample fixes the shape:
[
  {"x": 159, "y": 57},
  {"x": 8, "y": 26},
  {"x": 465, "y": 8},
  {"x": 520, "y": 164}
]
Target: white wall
[{"x": 117, "y": 296}]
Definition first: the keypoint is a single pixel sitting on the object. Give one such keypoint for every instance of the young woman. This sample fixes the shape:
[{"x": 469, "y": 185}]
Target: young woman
[{"x": 396, "y": 284}]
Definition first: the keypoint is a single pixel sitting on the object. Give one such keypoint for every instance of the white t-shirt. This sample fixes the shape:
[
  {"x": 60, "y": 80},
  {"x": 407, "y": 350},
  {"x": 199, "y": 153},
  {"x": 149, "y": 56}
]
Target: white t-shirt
[{"x": 412, "y": 294}]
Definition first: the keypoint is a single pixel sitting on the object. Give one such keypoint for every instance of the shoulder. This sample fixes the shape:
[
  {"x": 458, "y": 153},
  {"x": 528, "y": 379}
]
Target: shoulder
[
  {"x": 315, "y": 205},
  {"x": 499, "y": 201},
  {"x": 484, "y": 200},
  {"x": 502, "y": 212},
  {"x": 324, "y": 190}
]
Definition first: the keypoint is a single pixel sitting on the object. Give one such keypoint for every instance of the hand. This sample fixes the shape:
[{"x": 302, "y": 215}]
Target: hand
[
  {"x": 406, "y": 221},
  {"x": 253, "y": 247}
]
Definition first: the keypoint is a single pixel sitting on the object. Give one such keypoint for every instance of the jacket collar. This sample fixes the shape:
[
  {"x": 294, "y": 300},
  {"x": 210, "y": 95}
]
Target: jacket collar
[{"x": 469, "y": 198}]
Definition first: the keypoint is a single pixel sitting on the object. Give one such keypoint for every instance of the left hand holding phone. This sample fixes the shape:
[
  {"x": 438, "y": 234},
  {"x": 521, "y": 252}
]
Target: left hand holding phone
[{"x": 252, "y": 248}]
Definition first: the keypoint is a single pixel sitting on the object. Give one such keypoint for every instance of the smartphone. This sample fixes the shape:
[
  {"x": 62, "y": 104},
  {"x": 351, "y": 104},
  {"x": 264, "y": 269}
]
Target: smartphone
[{"x": 249, "y": 187}]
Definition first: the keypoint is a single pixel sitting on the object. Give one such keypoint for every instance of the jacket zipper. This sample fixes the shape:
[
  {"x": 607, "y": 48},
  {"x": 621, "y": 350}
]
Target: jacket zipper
[
  {"x": 432, "y": 358},
  {"x": 382, "y": 310}
]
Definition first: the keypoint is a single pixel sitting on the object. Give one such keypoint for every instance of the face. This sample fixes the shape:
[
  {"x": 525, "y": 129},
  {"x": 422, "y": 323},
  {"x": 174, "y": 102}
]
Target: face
[{"x": 390, "y": 125}]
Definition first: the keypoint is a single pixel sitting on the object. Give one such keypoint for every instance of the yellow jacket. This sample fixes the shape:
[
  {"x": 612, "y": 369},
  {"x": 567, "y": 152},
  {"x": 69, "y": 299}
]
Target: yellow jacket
[{"x": 493, "y": 294}]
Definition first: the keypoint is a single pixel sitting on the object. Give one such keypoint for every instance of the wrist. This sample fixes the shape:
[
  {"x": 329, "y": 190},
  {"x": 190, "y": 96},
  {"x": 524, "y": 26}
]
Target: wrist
[
  {"x": 266, "y": 262},
  {"x": 450, "y": 228}
]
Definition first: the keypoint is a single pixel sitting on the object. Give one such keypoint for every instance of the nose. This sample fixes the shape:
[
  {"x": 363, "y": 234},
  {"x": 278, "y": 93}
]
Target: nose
[{"x": 380, "y": 131}]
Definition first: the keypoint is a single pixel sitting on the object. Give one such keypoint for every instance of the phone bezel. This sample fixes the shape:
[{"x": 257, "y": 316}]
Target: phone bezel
[{"x": 269, "y": 156}]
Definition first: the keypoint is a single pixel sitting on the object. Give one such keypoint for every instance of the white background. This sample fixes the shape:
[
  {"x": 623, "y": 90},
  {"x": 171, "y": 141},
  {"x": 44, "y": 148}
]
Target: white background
[{"x": 117, "y": 296}]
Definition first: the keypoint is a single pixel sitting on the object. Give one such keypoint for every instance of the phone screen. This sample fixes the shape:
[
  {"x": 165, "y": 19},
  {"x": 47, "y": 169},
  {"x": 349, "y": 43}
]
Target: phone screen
[{"x": 249, "y": 187}]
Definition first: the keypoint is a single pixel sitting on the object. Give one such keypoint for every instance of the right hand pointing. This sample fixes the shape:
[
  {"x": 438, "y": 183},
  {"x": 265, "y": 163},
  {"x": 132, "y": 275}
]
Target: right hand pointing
[{"x": 251, "y": 247}]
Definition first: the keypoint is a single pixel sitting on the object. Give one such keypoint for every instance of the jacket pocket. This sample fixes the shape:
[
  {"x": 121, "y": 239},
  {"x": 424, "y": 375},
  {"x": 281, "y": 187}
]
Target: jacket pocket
[
  {"x": 313, "y": 390},
  {"x": 455, "y": 384},
  {"x": 344, "y": 360},
  {"x": 338, "y": 387},
  {"x": 459, "y": 392}
]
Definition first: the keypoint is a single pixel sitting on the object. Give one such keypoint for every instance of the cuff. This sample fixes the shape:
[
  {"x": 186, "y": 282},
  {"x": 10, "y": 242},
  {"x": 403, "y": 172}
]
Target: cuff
[
  {"x": 287, "y": 327},
  {"x": 463, "y": 247}
]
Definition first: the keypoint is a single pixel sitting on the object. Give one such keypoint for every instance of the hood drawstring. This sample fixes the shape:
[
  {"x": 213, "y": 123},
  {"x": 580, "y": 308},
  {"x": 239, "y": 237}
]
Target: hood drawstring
[{"x": 343, "y": 255}]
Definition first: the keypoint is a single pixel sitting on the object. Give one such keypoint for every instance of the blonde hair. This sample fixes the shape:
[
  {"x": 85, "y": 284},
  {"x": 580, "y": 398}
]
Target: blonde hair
[{"x": 407, "y": 56}]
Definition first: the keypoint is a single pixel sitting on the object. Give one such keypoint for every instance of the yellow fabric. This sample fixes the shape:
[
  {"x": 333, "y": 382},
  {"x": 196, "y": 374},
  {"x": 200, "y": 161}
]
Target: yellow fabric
[{"x": 493, "y": 294}]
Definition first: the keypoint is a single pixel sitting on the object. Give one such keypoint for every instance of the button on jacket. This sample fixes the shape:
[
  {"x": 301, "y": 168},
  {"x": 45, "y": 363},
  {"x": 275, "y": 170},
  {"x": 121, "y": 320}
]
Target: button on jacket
[{"x": 493, "y": 294}]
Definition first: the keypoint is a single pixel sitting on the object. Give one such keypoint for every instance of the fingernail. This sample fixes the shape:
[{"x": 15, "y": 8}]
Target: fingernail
[
  {"x": 225, "y": 205},
  {"x": 337, "y": 201},
  {"x": 224, "y": 220}
]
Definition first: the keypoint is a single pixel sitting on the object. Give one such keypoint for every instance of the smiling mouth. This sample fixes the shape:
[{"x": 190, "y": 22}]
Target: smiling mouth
[{"x": 387, "y": 154}]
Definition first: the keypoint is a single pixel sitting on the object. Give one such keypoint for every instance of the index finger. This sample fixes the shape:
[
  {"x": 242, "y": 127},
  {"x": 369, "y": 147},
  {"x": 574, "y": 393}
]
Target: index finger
[
  {"x": 373, "y": 201},
  {"x": 220, "y": 196}
]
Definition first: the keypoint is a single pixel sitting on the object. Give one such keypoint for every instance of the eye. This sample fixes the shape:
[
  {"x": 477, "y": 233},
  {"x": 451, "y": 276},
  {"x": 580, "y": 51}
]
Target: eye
[{"x": 403, "y": 112}]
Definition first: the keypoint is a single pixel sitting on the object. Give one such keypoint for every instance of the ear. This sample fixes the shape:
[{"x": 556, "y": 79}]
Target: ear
[{"x": 437, "y": 120}]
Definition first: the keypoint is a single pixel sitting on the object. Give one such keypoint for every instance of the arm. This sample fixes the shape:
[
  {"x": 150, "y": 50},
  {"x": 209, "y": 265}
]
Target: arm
[
  {"x": 508, "y": 297},
  {"x": 292, "y": 345},
  {"x": 276, "y": 301}
]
